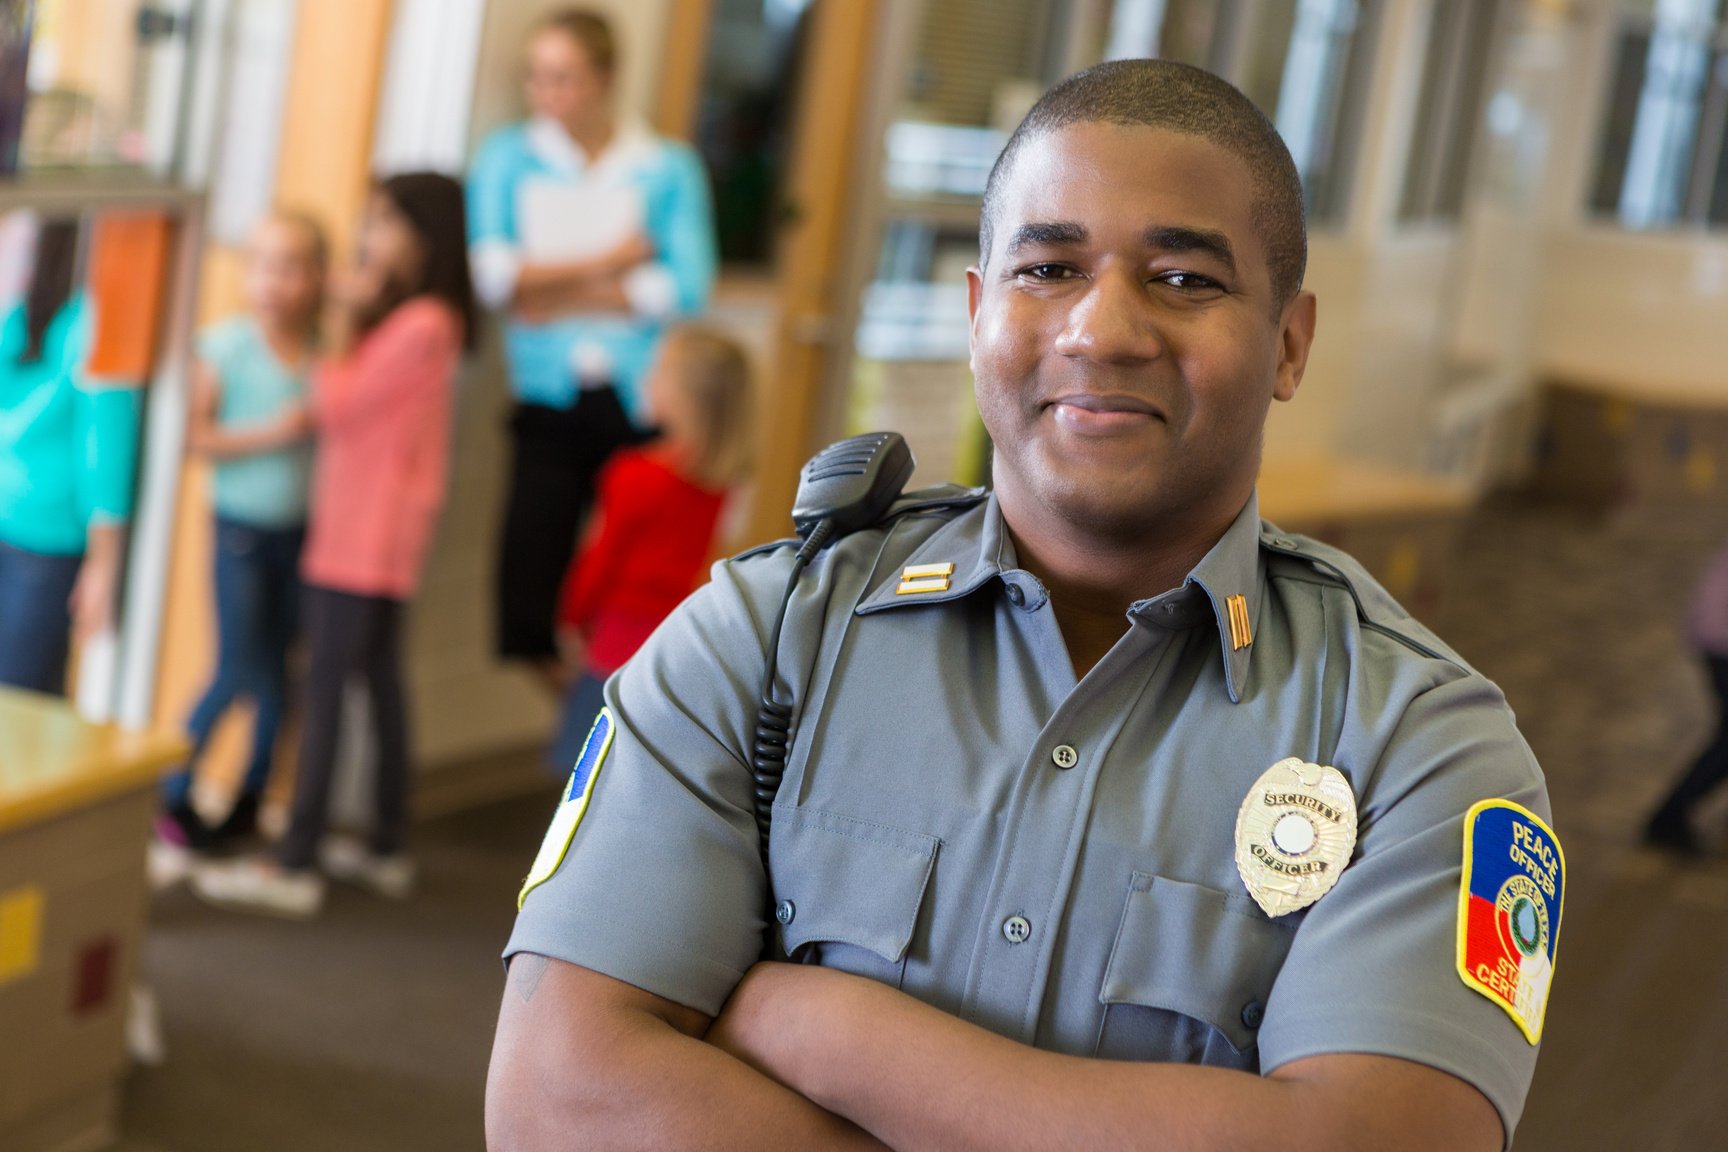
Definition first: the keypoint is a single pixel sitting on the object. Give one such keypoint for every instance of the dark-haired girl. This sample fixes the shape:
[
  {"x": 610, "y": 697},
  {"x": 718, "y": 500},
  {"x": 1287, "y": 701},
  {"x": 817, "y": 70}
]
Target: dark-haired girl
[
  {"x": 381, "y": 405},
  {"x": 67, "y": 450}
]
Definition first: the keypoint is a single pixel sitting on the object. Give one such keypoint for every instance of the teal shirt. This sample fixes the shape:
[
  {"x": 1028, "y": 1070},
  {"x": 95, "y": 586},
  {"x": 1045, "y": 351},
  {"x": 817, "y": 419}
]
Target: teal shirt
[
  {"x": 68, "y": 447},
  {"x": 268, "y": 489},
  {"x": 678, "y": 220}
]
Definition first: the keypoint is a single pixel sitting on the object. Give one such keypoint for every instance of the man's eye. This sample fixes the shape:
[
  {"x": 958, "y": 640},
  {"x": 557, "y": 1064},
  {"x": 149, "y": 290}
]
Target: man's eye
[
  {"x": 1191, "y": 282},
  {"x": 1044, "y": 273}
]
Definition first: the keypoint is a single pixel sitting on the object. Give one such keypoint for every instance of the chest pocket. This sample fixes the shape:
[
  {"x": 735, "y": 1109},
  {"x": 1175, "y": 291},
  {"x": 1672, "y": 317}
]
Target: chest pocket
[
  {"x": 1190, "y": 975},
  {"x": 846, "y": 891}
]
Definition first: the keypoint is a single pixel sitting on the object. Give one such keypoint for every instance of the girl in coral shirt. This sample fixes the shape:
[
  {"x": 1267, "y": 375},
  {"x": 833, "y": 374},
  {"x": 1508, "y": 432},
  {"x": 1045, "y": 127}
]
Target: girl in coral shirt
[{"x": 381, "y": 405}]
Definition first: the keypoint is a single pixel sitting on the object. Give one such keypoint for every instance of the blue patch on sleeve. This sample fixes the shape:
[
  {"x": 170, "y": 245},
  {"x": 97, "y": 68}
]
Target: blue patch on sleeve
[{"x": 574, "y": 805}]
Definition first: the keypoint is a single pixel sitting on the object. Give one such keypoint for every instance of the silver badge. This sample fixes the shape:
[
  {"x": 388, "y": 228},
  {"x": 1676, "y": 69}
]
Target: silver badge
[{"x": 1294, "y": 834}]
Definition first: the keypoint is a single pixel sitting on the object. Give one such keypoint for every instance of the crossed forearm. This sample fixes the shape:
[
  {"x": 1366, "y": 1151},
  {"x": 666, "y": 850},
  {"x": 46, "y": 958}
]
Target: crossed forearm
[
  {"x": 583, "y": 1061},
  {"x": 917, "y": 1078}
]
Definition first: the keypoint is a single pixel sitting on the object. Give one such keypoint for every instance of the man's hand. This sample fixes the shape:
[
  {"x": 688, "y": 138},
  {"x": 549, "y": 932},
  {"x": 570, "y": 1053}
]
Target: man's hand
[{"x": 916, "y": 1077}]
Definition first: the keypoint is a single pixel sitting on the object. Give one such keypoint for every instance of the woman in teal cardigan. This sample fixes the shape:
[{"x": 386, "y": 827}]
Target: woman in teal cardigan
[{"x": 67, "y": 454}]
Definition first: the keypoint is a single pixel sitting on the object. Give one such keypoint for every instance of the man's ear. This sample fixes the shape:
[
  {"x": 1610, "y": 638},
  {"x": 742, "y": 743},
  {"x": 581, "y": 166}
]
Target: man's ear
[
  {"x": 1295, "y": 338},
  {"x": 974, "y": 295}
]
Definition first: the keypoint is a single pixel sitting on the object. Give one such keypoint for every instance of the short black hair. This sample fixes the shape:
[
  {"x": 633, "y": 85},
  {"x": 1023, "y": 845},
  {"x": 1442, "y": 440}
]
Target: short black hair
[{"x": 1178, "y": 98}]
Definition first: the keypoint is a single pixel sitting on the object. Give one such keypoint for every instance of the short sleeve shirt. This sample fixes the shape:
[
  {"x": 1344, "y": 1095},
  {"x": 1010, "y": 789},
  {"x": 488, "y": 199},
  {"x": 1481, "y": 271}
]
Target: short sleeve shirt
[
  {"x": 266, "y": 489},
  {"x": 1053, "y": 860}
]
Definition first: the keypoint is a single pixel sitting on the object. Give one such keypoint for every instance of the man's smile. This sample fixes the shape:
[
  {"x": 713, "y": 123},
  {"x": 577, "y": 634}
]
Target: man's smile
[{"x": 1103, "y": 413}]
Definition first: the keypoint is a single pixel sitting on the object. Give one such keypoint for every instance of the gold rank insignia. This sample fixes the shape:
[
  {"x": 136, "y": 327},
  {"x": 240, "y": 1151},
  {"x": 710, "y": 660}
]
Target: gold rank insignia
[
  {"x": 1241, "y": 634},
  {"x": 916, "y": 578},
  {"x": 1295, "y": 832}
]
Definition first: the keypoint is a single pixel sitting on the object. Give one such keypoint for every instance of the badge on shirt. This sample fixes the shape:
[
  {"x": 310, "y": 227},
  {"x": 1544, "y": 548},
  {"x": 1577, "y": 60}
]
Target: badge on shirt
[
  {"x": 574, "y": 804},
  {"x": 1294, "y": 834},
  {"x": 1509, "y": 909}
]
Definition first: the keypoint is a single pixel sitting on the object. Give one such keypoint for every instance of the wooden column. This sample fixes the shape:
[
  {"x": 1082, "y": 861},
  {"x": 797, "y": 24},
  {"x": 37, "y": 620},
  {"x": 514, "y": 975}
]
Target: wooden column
[
  {"x": 326, "y": 158},
  {"x": 820, "y": 197}
]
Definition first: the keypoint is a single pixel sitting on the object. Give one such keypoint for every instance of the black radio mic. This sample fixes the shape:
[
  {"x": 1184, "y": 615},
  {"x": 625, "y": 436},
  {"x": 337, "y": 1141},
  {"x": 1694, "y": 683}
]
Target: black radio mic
[{"x": 846, "y": 486}]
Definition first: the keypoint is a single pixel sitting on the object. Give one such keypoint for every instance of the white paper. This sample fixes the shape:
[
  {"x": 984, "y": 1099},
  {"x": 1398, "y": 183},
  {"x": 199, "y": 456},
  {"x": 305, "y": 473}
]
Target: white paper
[{"x": 561, "y": 221}]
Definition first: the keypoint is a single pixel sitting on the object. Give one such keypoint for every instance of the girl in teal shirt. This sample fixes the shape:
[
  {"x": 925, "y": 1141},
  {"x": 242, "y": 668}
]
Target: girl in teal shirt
[{"x": 67, "y": 452}]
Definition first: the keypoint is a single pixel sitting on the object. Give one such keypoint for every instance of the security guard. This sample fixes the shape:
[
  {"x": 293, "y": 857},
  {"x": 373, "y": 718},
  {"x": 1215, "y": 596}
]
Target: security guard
[{"x": 1115, "y": 817}]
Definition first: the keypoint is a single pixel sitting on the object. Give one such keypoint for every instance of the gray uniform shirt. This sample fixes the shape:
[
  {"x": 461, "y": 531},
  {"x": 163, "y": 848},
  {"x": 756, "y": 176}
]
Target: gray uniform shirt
[{"x": 1052, "y": 859}]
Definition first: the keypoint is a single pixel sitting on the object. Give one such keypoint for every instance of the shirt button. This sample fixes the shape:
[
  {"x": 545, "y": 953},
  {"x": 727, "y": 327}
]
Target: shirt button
[
  {"x": 1016, "y": 929},
  {"x": 1064, "y": 756},
  {"x": 784, "y": 911},
  {"x": 1252, "y": 1014},
  {"x": 1015, "y": 596}
]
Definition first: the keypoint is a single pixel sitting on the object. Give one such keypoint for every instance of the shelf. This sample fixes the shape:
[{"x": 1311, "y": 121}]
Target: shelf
[{"x": 79, "y": 189}]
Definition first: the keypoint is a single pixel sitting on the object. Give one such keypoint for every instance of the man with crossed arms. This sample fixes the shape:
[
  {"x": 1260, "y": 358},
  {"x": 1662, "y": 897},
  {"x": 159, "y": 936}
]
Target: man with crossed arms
[{"x": 1115, "y": 817}]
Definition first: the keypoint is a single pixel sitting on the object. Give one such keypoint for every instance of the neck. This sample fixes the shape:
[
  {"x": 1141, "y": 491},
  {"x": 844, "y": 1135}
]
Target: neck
[
  {"x": 1094, "y": 577},
  {"x": 286, "y": 334},
  {"x": 592, "y": 131}
]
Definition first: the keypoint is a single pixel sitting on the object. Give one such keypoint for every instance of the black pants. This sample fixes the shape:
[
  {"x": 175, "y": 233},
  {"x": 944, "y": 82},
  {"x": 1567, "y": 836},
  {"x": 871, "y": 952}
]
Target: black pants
[
  {"x": 1711, "y": 768},
  {"x": 558, "y": 454},
  {"x": 349, "y": 635}
]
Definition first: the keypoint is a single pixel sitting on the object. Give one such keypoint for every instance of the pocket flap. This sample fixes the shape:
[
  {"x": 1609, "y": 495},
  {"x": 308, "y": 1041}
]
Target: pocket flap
[
  {"x": 1198, "y": 951},
  {"x": 848, "y": 881}
]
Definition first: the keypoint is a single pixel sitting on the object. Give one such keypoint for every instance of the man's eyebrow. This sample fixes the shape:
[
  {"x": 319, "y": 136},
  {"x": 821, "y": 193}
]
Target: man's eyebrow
[
  {"x": 1178, "y": 239},
  {"x": 1055, "y": 233}
]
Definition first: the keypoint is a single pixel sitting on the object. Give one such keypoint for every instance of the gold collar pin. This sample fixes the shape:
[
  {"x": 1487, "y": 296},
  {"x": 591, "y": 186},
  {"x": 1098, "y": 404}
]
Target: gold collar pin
[
  {"x": 1241, "y": 634},
  {"x": 916, "y": 578}
]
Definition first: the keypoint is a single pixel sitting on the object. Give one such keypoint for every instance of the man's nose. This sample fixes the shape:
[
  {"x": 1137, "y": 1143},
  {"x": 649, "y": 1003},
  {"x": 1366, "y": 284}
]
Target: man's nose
[{"x": 1112, "y": 322}]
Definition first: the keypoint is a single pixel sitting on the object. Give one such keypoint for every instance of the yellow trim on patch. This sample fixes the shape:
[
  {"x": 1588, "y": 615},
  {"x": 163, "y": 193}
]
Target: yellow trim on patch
[
  {"x": 1241, "y": 632},
  {"x": 922, "y": 571},
  {"x": 913, "y": 587},
  {"x": 1463, "y": 934},
  {"x": 569, "y": 815}
]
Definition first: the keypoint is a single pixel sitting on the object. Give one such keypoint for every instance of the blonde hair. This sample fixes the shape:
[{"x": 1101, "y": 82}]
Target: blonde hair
[{"x": 713, "y": 370}]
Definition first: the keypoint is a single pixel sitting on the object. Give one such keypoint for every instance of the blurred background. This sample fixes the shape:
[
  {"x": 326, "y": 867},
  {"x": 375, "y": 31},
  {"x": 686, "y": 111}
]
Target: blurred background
[{"x": 1516, "y": 415}]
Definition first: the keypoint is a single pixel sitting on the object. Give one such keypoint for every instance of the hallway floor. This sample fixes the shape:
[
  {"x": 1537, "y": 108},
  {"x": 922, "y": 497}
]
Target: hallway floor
[{"x": 370, "y": 1028}]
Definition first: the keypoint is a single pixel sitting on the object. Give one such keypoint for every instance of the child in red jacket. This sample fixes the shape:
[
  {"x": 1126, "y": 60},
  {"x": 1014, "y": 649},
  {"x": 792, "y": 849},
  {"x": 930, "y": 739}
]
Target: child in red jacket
[{"x": 658, "y": 509}]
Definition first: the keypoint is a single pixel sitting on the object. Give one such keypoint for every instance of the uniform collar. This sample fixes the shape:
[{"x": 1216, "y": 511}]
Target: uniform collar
[
  {"x": 974, "y": 543},
  {"x": 977, "y": 545},
  {"x": 552, "y": 146},
  {"x": 1229, "y": 572}
]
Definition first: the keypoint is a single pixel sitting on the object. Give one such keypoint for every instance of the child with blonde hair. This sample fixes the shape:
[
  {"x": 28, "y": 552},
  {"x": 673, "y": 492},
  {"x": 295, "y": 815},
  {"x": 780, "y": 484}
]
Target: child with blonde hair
[
  {"x": 659, "y": 507},
  {"x": 249, "y": 420}
]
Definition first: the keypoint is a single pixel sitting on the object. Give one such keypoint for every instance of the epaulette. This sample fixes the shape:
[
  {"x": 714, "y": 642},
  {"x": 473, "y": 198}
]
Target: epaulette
[
  {"x": 1376, "y": 608},
  {"x": 939, "y": 497}
]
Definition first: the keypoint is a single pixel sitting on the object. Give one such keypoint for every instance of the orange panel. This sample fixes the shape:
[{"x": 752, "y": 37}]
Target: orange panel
[{"x": 127, "y": 279}]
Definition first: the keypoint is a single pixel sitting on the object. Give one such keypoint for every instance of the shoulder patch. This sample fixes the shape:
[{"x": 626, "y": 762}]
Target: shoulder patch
[
  {"x": 570, "y": 810},
  {"x": 1509, "y": 907}
]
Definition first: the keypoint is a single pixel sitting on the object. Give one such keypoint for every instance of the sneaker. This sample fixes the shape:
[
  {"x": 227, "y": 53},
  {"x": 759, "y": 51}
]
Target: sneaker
[
  {"x": 181, "y": 826},
  {"x": 167, "y": 864},
  {"x": 241, "y": 821},
  {"x": 256, "y": 885},
  {"x": 348, "y": 860}
]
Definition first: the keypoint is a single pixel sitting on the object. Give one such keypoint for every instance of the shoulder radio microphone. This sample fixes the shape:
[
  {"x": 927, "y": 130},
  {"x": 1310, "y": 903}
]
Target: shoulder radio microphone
[{"x": 847, "y": 486}]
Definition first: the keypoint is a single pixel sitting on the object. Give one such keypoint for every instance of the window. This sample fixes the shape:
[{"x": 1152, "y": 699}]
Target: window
[
  {"x": 1304, "y": 62},
  {"x": 1454, "y": 87},
  {"x": 1662, "y": 162}
]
